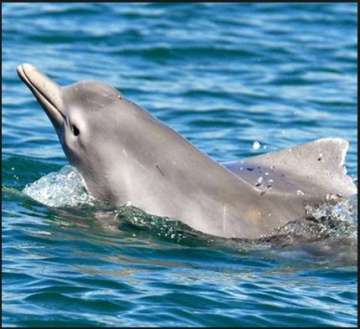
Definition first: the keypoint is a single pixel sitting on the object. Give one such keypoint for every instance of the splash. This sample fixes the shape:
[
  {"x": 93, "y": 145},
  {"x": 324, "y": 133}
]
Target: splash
[
  {"x": 344, "y": 210},
  {"x": 65, "y": 188},
  {"x": 328, "y": 221},
  {"x": 133, "y": 218}
]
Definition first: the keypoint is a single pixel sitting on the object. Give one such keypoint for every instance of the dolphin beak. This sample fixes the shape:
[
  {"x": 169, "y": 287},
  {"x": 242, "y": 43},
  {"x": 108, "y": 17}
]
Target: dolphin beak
[{"x": 46, "y": 91}]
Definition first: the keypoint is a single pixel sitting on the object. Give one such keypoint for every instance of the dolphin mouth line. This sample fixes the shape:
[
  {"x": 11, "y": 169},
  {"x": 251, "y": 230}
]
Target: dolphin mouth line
[{"x": 43, "y": 98}]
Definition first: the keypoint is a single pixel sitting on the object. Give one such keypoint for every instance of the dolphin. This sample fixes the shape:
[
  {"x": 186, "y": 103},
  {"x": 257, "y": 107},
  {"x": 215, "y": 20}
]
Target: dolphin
[{"x": 125, "y": 155}]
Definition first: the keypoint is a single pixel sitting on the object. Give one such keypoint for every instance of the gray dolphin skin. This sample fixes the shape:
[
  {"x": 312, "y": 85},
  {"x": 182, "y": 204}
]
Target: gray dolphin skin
[{"x": 126, "y": 155}]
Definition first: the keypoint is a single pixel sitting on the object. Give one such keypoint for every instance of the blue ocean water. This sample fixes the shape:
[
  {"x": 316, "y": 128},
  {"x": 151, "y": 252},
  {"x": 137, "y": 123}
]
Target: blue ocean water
[{"x": 234, "y": 79}]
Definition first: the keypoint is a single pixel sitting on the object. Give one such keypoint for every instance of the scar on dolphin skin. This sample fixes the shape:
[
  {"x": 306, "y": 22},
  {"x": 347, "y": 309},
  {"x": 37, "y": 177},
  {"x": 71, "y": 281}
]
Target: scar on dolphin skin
[{"x": 161, "y": 172}]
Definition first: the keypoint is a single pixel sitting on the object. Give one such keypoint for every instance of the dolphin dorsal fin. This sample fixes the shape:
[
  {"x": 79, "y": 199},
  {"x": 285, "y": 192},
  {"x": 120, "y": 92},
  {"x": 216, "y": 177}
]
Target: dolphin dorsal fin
[{"x": 317, "y": 164}]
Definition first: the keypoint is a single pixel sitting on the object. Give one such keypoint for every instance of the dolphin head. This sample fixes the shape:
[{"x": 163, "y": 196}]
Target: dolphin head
[{"x": 77, "y": 113}]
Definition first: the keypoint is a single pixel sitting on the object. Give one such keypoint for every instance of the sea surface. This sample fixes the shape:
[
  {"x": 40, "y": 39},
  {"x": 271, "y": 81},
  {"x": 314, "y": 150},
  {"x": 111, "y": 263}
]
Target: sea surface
[{"x": 236, "y": 80}]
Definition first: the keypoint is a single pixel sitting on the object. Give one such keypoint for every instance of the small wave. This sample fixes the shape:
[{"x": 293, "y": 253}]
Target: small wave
[
  {"x": 165, "y": 52},
  {"x": 65, "y": 188}
]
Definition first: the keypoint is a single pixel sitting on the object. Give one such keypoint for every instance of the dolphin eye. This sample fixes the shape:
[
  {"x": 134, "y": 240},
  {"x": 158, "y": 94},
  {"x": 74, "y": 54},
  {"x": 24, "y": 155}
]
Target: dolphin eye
[{"x": 75, "y": 130}]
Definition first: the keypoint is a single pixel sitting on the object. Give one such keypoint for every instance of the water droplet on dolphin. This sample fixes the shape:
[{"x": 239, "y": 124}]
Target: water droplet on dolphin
[{"x": 259, "y": 181}]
